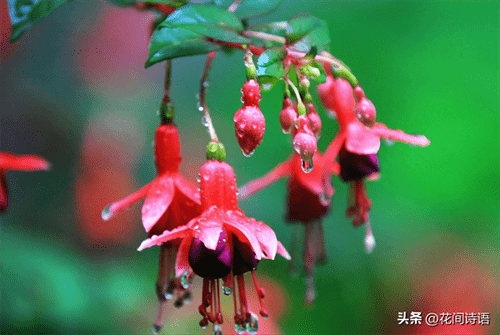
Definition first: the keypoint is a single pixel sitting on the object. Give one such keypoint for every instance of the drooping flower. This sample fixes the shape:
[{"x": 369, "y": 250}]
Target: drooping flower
[
  {"x": 357, "y": 144},
  {"x": 10, "y": 161},
  {"x": 304, "y": 206},
  {"x": 222, "y": 243},
  {"x": 171, "y": 201}
]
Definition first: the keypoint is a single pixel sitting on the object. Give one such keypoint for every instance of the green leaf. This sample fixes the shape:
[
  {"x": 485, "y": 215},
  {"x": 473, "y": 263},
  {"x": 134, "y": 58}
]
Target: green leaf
[
  {"x": 271, "y": 56},
  {"x": 171, "y": 3},
  {"x": 25, "y": 13},
  {"x": 270, "y": 75},
  {"x": 185, "y": 32},
  {"x": 249, "y": 8},
  {"x": 168, "y": 43},
  {"x": 305, "y": 31},
  {"x": 122, "y": 3}
]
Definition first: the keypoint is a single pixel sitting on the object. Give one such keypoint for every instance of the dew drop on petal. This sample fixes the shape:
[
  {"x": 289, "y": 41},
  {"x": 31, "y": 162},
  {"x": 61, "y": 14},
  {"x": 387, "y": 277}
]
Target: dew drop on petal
[
  {"x": 388, "y": 142},
  {"x": 307, "y": 166},
  {"x": 253, "y": 325},
  {"x": 106, "y": 213},
  {"x": 198, "y": 177},
  {"x": 250, "y": 154}
]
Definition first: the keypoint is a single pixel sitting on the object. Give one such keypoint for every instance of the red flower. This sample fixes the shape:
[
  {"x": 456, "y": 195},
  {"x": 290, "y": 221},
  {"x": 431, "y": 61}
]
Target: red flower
[
  {"x": 221, "y": 243},
  {"x": 10, "y": 161},
  {"x": 357, "y": 145},
  {"x": 171, "y": 201},
  {"x": 304, "y": 206}
]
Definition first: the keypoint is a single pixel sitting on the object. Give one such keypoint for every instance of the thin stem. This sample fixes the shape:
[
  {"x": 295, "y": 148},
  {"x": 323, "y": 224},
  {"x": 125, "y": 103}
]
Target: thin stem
[
  {"x": 168, "y": 75},
  {"x": 234, "y": 6},
  {"x": 295, "y": 90},
  {"x": 203, "y": 103},
  {"x": 264, "y": 36}
]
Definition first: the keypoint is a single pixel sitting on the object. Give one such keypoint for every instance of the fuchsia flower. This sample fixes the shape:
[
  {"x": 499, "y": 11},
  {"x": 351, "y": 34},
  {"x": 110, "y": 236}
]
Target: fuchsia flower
[
  {"x": 304, "y": 206},
  {"x": 171, "y": 201},
  {"x": 10, "y": 161},
  {"x": 357, "y": 144},
  {"x": 221, "y": 243}
]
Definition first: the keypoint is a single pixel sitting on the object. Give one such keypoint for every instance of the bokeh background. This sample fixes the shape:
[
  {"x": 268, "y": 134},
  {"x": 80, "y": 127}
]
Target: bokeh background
[{"x": 74, "y": 90}]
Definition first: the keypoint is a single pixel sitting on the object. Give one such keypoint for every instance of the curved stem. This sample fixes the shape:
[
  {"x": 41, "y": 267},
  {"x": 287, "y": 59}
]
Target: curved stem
[
  {"x": 264, "y": 36},
  {"x": 234, "y": 6},
  {"x": 203, "y": 103},
  {"x": 295, "y": 90}
]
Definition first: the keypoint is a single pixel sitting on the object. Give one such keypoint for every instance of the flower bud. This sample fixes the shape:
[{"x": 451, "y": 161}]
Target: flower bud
[
  {"x": 326, "y": 97},
  {"x": 288, "y": 115},
  {"x": 304, "y": 142},
  {"x": 249, "y": 125},
  {"x": 314, "y": 120},
  {"x": 251, "y": 93}
]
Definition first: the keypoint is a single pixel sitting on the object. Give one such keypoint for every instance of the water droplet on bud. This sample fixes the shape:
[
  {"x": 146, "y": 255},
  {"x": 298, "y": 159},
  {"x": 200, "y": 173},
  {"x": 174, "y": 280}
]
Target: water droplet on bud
[
  {"x": 331, "y": 114},
  {"x": 106, "y": 213},
  {"x": 198, "y": 177},
  {"x": 250, "y": 154},
  {"x": 388, "y": 142},
  {"x": 307, "y": 166},
  {"x": 324, "y": 199}
]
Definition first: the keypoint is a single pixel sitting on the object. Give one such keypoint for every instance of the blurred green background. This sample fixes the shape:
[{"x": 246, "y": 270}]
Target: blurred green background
[{"x": 74, "y": 91}]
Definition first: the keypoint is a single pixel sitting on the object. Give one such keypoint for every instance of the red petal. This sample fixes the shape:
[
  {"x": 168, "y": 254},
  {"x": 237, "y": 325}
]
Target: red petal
[
  {"x": 282, "y": 251},
  {"x": 187, "y": 188},
  {"x": 208, "y": 227},
  {"x": 120, "y": 205},
  {"x": 361, "y": 140},
  {"x": 237, "y": 224},
  {"x": 10, "y": 161},
  {"x": 159, "y": 197},
  {"x": 266, "y": 237},
  {"x": 182, "y": 260},
  {"x": 256, "y": 185},
  {"x": 3, "y": 192},
  {"x": 382, "y": 131},
  {"x": 181, "y": 232}
]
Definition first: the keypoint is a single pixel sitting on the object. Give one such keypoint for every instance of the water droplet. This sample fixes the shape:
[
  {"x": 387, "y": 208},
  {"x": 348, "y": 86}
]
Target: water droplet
[
  {"x": 199, "y": 107},
  {"x": 155, "y": 329},
  {"x": 266, "y": 87},
  {"x": 254, "y": 126},
  {"x": 198, "y": 177},
  {"x": 106, "y": 213},
  {"x": 331, "y": 114},
  {"x": 227, "y": 290},
  {"x": 206, "y": 83},
  {"x": 157, "y": 112},
  {"x": 388, "y": 142},
  {"x": 369, "y": 243},
  {"x": 307, "y": 166},
  {"x": 184, "y": 280},
  {"x": 153, "y": 143},
  {"x": 237, "y": 193},
  {"x": 250, "y": 154},
  {"x": 204, "y": 121},
  {"x": 239, "y": 329},
  {"x": 253, "y": 325},
  {"x": 217, "y": 330},
  {"x": 187, "y": 297},
  {"x": 324, "y": 199}
]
